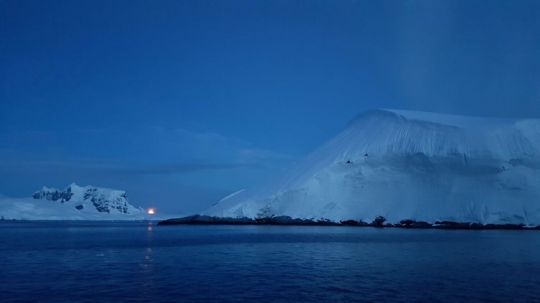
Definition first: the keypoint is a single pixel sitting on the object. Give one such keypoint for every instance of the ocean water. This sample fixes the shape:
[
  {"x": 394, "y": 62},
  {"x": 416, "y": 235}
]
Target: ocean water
[{"x": 106, "y": 262}]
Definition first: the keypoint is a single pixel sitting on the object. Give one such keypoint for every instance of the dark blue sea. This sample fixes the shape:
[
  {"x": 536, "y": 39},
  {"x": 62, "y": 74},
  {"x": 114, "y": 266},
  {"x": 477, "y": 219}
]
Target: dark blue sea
[{"x": 124, "y": 262}]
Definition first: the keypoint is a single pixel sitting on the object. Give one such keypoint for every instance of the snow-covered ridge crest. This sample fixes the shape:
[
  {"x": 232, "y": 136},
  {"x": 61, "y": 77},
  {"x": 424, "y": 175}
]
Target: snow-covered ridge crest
[
  {"x": 397, "y": 131},
  {"x": 412, "y": 165}
]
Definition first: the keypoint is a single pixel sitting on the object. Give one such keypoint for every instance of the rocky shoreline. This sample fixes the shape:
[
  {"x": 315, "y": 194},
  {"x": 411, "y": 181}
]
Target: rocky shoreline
[{"x": 379, "y": 222}]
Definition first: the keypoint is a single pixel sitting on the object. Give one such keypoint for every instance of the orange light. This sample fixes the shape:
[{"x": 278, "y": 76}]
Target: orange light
[{"x": 150, "y": 211}]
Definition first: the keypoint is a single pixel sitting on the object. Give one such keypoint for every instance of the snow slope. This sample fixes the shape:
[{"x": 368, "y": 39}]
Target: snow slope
[
  {"x": 72, "y": 203},
  {"x": 411, "y": 165}
]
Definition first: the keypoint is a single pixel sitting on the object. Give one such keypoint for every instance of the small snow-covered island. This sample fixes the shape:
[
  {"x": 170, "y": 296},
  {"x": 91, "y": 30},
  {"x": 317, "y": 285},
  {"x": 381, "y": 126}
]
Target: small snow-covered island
[
  {"x": 404, "y": 169},
  {"x": 72, "y": 203}
]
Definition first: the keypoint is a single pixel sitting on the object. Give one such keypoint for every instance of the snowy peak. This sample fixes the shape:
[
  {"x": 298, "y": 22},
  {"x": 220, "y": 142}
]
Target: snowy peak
[{"x": 89, "y": 198}]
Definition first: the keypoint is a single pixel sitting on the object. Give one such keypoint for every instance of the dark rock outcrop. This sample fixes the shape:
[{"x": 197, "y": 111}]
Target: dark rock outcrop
[
  {"x": 53, "y": 194},
  {"x": 353, "y": 223},
  {"x": 207, "y": 220},
  {"x": 408, "y": 223},
  {"x": 468, "y": 225},
  {"x": 277, "y": 220},
  {"x": 378, "y": 222}
]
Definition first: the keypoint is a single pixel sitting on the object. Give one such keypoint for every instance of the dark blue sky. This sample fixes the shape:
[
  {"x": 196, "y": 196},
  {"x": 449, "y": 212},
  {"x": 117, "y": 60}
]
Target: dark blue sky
[{"x": 180, "y": 102}]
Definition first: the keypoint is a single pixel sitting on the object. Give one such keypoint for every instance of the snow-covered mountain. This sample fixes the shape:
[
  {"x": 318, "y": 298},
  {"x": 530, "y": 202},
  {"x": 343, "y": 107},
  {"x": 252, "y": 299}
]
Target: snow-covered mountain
[
  {"x": 72, "y": 203},
  {"x": 103, "y": 200},
  {"x": 410, "y": 165}
]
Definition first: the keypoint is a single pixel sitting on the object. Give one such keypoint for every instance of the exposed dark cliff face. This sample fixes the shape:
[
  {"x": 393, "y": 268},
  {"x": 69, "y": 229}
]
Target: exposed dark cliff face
[
  {"x": 54, "y": 194},
  {"x": 104, "y": 204}
]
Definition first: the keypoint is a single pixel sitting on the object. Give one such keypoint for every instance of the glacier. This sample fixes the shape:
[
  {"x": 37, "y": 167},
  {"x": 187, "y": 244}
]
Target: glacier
[
  {"x": 72, "y": 203},
  {"x": 409, "y": 165}
]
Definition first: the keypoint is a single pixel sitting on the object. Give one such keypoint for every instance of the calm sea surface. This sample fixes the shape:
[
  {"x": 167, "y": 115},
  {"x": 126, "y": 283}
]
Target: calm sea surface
[{"x": 103, "y": 262}]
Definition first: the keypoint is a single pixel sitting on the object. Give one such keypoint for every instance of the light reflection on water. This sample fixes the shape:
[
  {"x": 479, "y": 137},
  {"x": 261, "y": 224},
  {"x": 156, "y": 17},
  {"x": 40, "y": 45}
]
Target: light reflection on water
[{"x": 141, "y": 261}]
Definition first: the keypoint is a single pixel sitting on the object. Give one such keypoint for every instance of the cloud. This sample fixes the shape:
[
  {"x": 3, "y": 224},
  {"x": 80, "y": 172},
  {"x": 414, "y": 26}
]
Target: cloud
[
  {"x": 100, "y": 168},
  {"x": 139, "y": 151},
  {"x": 174, "y": 168}
]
